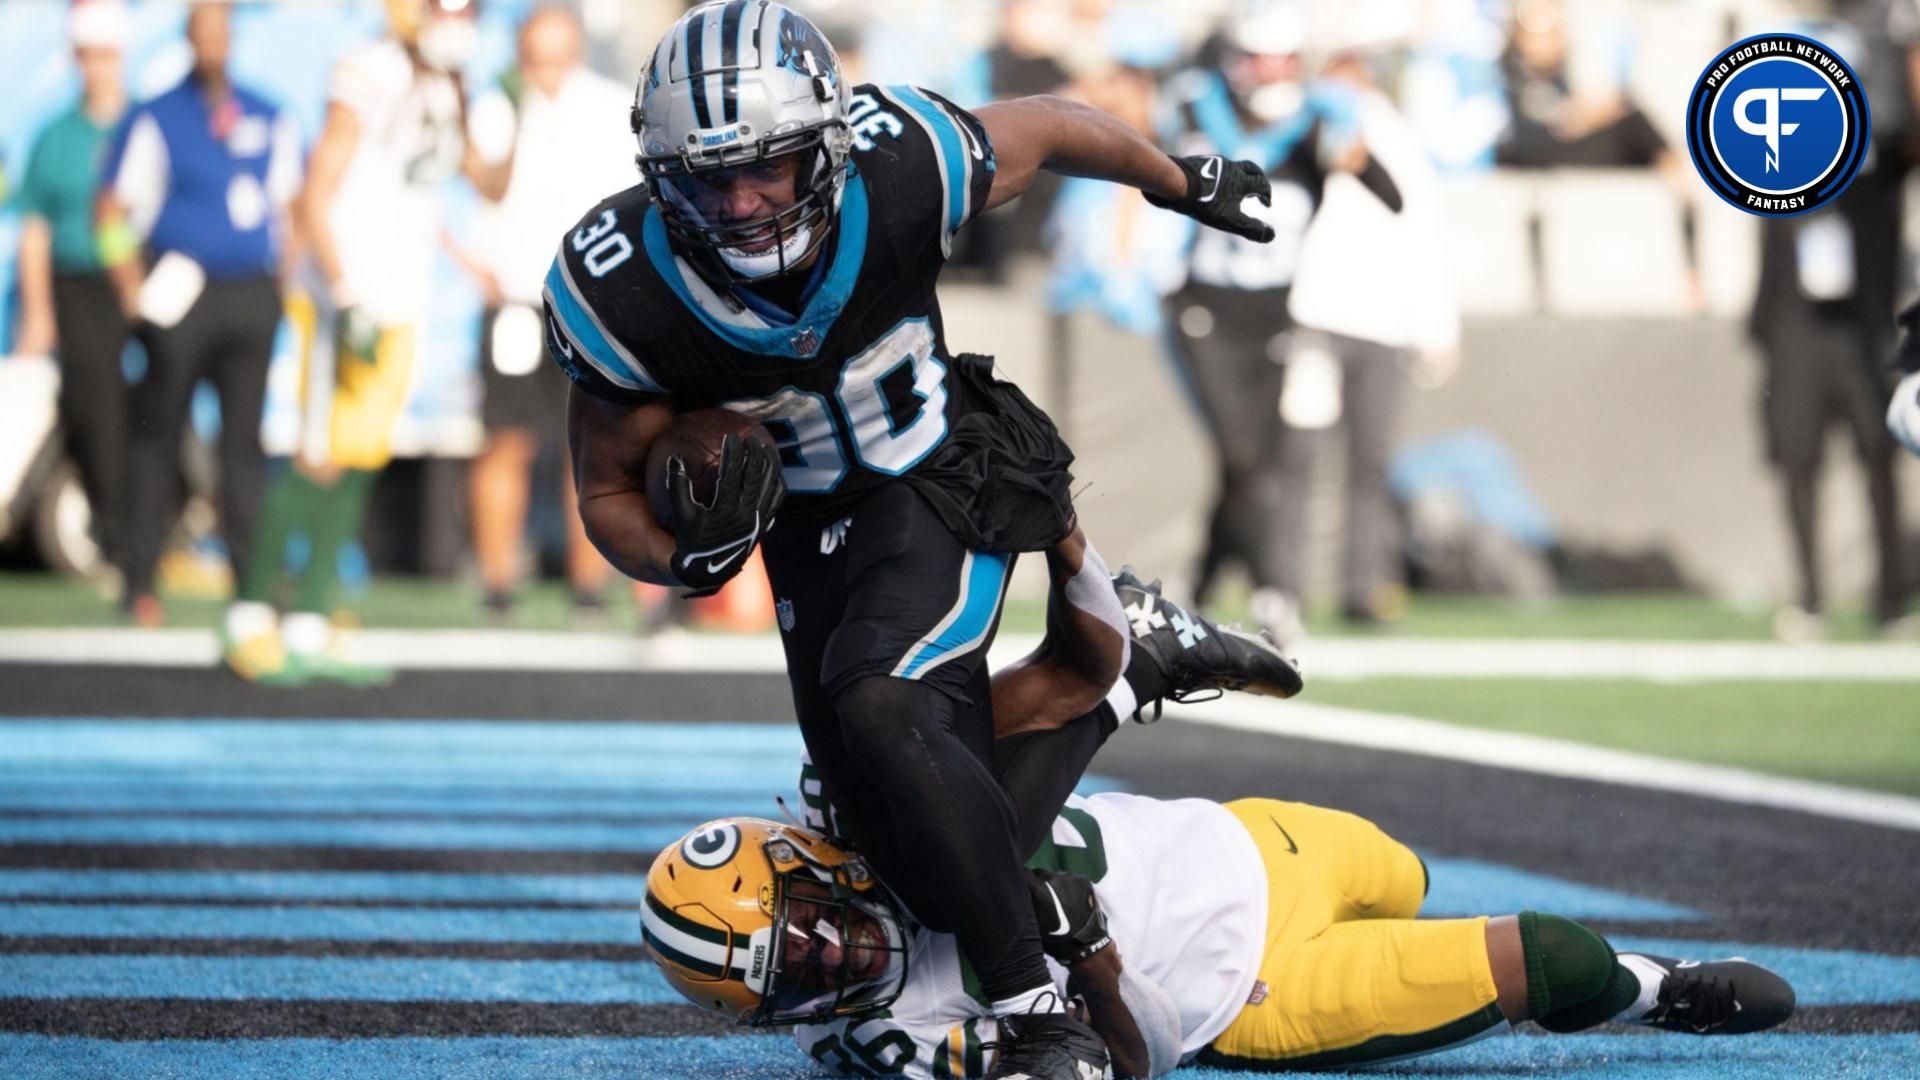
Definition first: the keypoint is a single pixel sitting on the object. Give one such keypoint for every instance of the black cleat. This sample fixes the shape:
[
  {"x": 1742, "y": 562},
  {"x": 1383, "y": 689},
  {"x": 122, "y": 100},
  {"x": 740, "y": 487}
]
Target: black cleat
[
  {"x": 1197, "y": 657},
  {"x": 1047, "y": 1046},
  {"x": 1718, "y": 997}
]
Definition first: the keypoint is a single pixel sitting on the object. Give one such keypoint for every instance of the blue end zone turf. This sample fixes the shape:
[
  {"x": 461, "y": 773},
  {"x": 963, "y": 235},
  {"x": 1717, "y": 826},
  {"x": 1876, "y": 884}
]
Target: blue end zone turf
[
  {"x": 510, "y": 787},
  {"x": 334, "y": 978},
  {"x": 1465, "y": 887},
  {"x": 317, "y": 885},
  {"x": 1574, "y": 1057},
  {"x": 616, "y": 926}
]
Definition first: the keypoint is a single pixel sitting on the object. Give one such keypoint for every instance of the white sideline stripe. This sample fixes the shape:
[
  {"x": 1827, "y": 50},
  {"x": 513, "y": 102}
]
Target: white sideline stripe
[
  {"x": 1323, "y": 659},
  {"x": 507, "y": 650},
  {"x": 1551, "y": 757}
]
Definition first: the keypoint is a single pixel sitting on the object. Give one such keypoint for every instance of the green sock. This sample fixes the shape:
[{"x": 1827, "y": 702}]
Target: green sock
[
  {"x": 290, "y": 499},
  {"x": 1573, "y": 980},
  {"x": 339, "y": 509}
]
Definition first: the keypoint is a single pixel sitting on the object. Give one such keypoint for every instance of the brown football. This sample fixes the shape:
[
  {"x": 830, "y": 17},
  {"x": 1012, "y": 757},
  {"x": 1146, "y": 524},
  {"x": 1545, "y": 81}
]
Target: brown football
[{"x": 694, "y": 438}]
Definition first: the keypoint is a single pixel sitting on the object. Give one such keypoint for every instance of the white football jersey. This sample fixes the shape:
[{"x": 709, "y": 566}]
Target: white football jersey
[
  {"x": 386, "y": 217},
  {"x": 1185, "y": 893}
]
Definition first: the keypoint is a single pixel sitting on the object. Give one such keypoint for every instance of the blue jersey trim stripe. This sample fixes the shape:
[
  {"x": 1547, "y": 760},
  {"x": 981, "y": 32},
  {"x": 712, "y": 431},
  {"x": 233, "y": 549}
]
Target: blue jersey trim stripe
[
  {"x": 983, "y": 581},
  {"x": 583, "y": 328},
  {"x": 822, "y": 309},
  {"x": 951, "y": 149}
]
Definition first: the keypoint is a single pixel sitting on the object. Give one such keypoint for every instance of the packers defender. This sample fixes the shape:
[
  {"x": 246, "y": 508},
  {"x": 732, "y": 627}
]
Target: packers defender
[
  {"x": 370, "y": 213},
  {"x": 1258, "y": 934},
  {"x": 780, "y": 260}
]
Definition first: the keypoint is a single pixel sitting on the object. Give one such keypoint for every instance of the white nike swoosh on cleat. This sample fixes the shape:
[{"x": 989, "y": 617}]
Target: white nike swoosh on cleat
[{"x": 1059, "y": 912}]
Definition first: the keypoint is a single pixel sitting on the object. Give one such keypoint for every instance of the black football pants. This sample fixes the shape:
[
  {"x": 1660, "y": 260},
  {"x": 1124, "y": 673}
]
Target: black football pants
[
  {"x": 93, "y": 398},
  {"x": 227, "y": 336},
  {"x": 886, "y": 622}
]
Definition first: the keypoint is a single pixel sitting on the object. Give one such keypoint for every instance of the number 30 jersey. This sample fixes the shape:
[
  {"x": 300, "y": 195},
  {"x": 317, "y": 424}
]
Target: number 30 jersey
[{"x": 855, "y": 388}]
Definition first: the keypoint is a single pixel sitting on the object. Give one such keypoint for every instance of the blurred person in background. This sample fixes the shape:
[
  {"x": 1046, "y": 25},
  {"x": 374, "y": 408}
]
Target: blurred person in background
[
  {"x": 395, "y": 132},
  {"x": 542, "y": 130},
  {"x": 1376, "y": 320},
  {"x": 1820, "y": 369},
  {"x": 1230, "y": 333},
  {"x": 1024, "y": 61},
  {"x": 193, "y": 202},
  {"x": 1111, "y": 253},
  {"x": 1828, "y": 282},
  {"x": 67, "y": 301},
  {"x": 1553, "y": 123}
]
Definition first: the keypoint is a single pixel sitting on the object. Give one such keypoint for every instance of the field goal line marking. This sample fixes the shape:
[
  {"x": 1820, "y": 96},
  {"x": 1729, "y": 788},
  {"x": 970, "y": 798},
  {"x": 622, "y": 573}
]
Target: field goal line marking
[{"x": 1551, "y": 757}]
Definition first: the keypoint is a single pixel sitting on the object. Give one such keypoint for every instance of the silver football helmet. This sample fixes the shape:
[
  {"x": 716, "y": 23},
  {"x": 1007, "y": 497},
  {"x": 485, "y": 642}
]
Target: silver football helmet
[{"x": 733, "y": 85}]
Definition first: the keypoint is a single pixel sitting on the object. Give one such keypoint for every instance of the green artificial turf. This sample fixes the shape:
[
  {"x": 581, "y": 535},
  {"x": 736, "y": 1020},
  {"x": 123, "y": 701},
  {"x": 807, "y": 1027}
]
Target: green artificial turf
[{"x": 1852, "y": 733}]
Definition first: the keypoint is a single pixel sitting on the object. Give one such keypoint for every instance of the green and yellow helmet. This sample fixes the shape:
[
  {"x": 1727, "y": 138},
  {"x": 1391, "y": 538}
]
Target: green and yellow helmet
[{"x": 767, "y": 923}]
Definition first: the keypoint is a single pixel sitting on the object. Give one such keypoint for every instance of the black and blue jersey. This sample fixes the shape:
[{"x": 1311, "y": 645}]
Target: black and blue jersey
[{"x": 860, "y": 386}]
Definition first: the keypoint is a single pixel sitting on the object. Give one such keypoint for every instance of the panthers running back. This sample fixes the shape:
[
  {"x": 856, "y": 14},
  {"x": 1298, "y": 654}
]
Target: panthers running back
[{"x": 780, "y": 260}]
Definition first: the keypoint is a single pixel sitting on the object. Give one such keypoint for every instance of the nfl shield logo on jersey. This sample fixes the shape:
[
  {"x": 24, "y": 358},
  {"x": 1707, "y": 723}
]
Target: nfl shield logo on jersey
[{"x": 784, "y": 611}]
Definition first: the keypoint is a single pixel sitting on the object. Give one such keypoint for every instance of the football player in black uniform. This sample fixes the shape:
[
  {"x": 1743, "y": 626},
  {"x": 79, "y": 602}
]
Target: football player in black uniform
[
  {"x": 1903, "y": 412},
  {"x": 779, "y": 260}
]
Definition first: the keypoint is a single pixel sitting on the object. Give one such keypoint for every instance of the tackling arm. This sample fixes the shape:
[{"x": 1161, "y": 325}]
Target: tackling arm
[{"x": 609, "y": 444}]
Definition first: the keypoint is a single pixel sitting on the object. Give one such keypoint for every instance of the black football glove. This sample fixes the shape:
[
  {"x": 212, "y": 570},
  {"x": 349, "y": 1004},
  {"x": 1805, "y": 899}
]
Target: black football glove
[
  {"x": 1072, "y": 926},
  {"x": 712, "y": 540},
  {"x": 1215, "y": 187}
]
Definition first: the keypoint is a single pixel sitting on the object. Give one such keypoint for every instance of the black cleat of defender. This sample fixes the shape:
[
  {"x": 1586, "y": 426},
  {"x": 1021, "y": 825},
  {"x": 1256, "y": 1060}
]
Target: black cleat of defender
[
  {"x": 1196, "y": 656},
  {"x": 1718, "y": 997},
  {"x": 1047, "y": 1046}
]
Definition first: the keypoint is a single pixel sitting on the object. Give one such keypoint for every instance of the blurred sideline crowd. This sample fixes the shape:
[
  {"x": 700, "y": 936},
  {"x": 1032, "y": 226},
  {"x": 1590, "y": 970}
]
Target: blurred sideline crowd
[{"x": 182, "y": 239}]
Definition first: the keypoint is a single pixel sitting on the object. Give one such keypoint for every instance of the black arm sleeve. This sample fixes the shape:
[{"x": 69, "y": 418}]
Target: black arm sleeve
[
  {"x": 1375, "y": 179},
  {"x": 1039, "y": 769}
]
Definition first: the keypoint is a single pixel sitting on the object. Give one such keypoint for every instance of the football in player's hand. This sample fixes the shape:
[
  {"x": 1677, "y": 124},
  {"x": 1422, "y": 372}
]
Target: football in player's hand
[{"x": 695, "y": 438}]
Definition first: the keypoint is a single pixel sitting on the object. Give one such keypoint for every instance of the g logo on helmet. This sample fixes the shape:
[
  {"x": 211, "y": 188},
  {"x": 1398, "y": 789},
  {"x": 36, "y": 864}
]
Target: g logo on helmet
[
  {"x": 713, "y": 846},
  {"x": 1777, "y": 125}
]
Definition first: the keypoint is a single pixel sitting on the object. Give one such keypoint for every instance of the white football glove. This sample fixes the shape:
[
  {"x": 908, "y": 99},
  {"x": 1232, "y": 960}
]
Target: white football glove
[{"x": 1903, "y": 413}]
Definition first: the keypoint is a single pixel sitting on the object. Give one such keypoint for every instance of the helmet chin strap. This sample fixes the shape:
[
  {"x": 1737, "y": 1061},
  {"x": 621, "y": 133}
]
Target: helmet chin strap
[{"x": 781, "y": 256}]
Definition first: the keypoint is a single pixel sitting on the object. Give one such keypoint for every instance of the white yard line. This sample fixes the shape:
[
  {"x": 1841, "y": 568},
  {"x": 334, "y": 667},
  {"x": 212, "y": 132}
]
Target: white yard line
[
  {"x": 511, "y": 650},
  {"x": 1551, "y": 757},
  {"x": 532, "y": 650}
]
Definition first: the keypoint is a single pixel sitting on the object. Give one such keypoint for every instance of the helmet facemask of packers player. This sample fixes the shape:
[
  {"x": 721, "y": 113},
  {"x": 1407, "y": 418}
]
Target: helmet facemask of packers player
[
  {"x": 740, "y": 96},
  {"x": 445, "y": 33},
  {"x": 772, "y": 924}
]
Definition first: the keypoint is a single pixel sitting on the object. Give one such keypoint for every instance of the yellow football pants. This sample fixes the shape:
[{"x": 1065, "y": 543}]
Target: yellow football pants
[
  {"x": 1349, "y": 976},
  {"x": 354, "y": 396}
]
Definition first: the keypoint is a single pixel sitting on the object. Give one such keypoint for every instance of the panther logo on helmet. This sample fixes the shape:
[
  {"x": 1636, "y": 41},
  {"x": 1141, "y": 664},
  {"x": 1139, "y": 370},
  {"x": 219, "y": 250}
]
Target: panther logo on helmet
[
  {"x": 772, "y": 924},
  {"x": 803, "y": 49}
]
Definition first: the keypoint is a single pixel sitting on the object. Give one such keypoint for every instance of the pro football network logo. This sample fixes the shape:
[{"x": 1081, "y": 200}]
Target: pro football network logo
[{"x": 1777, "y": 125}]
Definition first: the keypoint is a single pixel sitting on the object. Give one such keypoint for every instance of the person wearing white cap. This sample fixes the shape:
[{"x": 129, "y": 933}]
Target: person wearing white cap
[{"x": 67, "y": 302}]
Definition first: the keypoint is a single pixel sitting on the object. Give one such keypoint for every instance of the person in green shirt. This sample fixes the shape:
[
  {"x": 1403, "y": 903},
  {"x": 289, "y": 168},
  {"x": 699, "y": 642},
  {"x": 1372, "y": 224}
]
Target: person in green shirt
[{"x": 67, "y": 302}]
